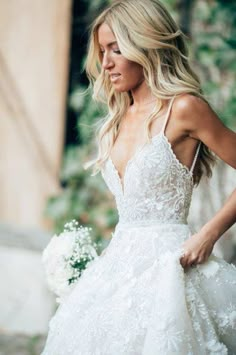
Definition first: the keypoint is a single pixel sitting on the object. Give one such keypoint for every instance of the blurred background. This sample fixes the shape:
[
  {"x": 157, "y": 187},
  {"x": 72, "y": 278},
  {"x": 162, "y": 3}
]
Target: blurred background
[{"x": 46, "y": 135}]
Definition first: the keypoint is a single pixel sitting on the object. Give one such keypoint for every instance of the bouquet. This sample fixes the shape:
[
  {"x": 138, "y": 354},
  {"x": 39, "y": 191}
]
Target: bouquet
[{"x": 66, "y": 256}]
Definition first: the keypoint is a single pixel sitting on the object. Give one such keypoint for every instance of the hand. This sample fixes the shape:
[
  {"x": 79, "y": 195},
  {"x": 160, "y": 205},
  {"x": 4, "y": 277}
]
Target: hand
[{"x": 197, "y": 250}]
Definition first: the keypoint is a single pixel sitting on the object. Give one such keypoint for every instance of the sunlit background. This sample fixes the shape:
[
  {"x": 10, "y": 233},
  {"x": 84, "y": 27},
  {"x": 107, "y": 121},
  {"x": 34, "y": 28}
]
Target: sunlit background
[{"x": 46, "y": 135}]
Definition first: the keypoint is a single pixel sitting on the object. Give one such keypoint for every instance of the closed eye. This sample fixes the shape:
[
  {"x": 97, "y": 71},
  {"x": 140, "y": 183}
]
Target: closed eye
[{"x": 117, "y": 51}]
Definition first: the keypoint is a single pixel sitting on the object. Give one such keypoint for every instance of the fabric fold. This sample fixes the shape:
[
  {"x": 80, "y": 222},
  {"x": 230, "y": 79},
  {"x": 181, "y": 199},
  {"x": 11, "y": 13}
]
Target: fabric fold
[{"x": 170, "y": 328}]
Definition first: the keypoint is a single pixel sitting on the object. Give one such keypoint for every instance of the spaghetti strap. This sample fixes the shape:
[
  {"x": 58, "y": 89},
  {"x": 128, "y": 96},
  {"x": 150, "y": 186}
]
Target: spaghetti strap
[
  {"x": 195, "y": 157},
  {"x": 167, "y": 114}
]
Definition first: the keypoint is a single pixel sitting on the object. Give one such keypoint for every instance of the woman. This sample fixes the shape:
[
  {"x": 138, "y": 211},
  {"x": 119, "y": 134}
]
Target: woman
[{"x": 157, "y": 289}]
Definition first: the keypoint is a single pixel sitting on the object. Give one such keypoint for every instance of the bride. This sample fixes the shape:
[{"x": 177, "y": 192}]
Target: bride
[{"x": 158, "y": 288}]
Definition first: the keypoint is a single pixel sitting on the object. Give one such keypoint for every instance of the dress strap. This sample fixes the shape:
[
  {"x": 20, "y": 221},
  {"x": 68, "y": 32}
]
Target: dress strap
[
  {"x": 195, "y": 157},
  {"x": 167, "y": 114}
]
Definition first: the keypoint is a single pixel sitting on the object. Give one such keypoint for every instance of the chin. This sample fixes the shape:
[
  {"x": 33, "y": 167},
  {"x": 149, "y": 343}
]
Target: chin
[{"x": 123, "y": 89}]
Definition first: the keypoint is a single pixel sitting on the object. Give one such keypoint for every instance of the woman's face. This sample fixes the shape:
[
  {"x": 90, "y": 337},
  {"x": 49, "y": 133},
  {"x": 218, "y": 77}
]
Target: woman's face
[{"x": 125, "y": 75}]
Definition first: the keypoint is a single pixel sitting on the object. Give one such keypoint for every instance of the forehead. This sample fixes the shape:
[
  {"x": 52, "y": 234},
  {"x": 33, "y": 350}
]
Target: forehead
[{"x": 105, "y": 35}]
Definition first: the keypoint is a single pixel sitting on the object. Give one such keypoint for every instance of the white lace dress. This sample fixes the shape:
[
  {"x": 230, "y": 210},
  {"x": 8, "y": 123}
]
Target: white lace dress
[{"x": 136, "y": 299}]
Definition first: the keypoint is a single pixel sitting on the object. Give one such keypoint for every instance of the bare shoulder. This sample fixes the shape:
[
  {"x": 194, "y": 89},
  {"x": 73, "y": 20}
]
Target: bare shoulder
[
  {"x": 189, "y": 110},
  {"x": 195, "y": 116},
  {"x": 188, "y": 102}
]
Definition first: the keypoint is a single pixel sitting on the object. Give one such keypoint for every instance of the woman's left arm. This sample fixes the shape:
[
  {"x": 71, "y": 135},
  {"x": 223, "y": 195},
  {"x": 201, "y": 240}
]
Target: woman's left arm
[
  {"x": 206, "y": 126},
  {"x": 199, "y": 246},
  {"x": 222, "y": 221}
]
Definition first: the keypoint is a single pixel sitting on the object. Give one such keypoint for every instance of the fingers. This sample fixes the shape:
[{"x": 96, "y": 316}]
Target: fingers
[
  {"x": 184, "y": 260},
  {"x": 189, "y": 259}
]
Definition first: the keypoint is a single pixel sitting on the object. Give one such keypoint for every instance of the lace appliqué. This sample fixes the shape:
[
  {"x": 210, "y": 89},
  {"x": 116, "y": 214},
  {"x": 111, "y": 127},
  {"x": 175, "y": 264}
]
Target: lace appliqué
[{"x": 156, "y": 185}]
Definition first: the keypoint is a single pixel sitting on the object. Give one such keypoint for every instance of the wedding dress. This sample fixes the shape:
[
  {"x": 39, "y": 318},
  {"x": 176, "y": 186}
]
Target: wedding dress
[{"x": 137, "y": 299}]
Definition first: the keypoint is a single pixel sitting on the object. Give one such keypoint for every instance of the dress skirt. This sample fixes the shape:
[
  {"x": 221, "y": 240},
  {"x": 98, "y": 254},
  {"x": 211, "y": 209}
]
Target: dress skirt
[{"x": 136, "y": 299}]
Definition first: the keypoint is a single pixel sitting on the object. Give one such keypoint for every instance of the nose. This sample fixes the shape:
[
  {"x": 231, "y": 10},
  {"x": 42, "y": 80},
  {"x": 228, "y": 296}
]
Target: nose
[{"x": 107, "y": 63}]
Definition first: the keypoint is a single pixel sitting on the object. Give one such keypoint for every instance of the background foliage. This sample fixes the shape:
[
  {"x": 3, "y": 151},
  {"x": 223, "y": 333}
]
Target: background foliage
[{"x": 211, "y": 29}]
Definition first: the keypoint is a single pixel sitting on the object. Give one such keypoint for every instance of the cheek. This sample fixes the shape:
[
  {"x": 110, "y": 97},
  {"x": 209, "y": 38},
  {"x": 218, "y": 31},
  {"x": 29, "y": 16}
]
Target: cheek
[
  {"x": 133, "y": 72},
  {"x": 130, "y": 67}
]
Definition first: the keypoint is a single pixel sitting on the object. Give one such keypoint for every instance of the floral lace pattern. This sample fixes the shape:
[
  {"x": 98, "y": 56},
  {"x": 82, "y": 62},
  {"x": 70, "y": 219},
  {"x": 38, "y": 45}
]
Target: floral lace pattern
[
  {"x": 136, "y": 299},
  {"x": 158, "y": 188}
]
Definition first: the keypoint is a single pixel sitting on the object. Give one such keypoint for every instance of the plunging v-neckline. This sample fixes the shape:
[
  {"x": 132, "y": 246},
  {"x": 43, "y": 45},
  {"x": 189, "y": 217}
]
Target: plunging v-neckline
[
  {"x": 137, "y": 151},
  {"x": 121, "y": 180}
]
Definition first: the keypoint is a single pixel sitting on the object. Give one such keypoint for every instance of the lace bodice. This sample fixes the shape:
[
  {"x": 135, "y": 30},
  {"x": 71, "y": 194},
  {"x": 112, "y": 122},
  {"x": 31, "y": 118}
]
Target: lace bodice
[{"x": 156, "y": 186}]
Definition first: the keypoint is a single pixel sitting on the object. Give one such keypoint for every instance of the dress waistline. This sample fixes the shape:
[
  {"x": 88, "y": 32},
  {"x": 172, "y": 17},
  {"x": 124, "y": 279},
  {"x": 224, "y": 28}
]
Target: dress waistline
[{"x": 148, "y": 223}]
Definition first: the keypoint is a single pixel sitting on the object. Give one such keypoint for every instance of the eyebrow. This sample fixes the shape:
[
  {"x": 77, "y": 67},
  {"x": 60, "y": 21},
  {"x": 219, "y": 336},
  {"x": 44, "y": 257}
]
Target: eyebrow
[{"x": 109, "y": 44}]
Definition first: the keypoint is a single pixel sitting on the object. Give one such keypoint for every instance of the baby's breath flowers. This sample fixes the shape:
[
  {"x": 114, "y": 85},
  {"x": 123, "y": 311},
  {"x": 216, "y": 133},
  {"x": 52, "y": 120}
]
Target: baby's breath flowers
[{"x": 66, "y": 256}]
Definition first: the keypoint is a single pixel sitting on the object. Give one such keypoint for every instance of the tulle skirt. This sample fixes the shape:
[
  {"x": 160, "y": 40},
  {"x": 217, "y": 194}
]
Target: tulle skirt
[{"x": 136, "y": 299}]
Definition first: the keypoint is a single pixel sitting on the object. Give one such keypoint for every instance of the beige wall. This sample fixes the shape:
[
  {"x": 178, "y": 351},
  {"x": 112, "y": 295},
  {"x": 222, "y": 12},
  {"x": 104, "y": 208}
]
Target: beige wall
[{"x": 34, "y": 37}]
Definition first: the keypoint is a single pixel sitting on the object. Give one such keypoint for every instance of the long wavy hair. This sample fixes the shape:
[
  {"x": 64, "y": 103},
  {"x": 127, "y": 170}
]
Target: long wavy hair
[{"x": 148, "y": 35}]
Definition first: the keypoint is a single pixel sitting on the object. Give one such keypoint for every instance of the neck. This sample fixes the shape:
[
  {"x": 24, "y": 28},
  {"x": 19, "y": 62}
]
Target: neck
[{"x": 142, "y": 96}]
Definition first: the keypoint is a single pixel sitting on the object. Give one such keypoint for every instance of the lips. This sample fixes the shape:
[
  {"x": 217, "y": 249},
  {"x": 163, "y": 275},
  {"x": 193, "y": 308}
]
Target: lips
[{"x": 114, "y": 77}]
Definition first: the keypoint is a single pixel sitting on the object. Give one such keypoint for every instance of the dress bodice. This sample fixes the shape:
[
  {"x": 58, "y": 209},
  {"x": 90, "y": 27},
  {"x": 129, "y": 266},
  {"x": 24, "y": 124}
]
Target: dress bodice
[{"x": 156, "y": 186}]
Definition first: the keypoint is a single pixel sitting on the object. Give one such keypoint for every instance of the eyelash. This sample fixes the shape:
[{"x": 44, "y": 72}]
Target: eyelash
[{"x": 115, "y": 51}]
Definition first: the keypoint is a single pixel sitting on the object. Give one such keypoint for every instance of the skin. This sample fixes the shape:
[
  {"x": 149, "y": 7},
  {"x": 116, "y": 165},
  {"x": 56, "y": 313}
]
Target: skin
[{"x": 191, "y": 120}]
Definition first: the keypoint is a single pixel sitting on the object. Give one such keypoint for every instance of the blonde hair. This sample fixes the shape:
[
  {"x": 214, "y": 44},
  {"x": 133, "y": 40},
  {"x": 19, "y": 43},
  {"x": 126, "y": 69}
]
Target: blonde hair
[{"x": 151, "y": 38}]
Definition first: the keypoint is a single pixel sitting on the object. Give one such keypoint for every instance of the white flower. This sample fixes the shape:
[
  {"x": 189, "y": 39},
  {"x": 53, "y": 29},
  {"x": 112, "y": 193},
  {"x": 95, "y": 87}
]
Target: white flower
[{"x": 66, "y": 256}]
